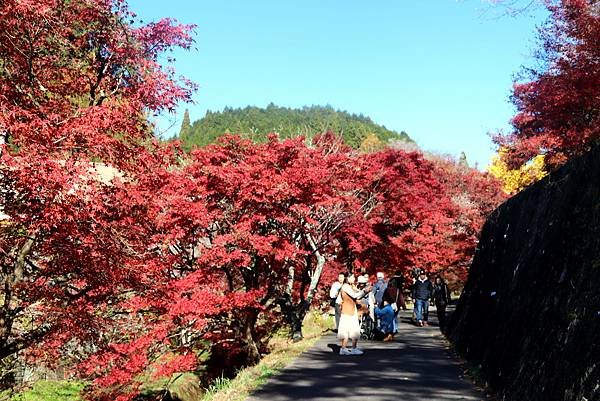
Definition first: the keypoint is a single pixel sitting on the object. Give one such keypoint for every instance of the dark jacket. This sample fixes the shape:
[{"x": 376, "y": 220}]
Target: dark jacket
[
  {"x": 441, "y": 294},
  {"x": 393, "y": 294},
  {"x": 422, "y": 289},
  {"x": 396, "y": 281}
]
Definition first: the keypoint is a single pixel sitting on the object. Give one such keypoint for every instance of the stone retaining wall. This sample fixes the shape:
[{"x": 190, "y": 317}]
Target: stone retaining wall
[{"x": 529, "y": 314}]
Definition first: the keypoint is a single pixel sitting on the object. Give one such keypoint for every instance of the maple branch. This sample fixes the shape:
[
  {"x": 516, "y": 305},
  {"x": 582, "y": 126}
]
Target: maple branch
[
  {"x": 99, "y": 77},
  {"x": 316, "y": 276},
  {"x": 290, "y": 282},
  {"x": 24, "y": 342},
  {"x": 229, "y": 277},
  {"x": 21, "y": 259}
]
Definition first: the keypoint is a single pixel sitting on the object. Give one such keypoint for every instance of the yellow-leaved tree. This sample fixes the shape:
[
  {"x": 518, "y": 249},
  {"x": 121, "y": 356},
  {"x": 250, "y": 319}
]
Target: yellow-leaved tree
[
  {"x": 371, "y": 143},
  {"x": 515, "y": 180}
]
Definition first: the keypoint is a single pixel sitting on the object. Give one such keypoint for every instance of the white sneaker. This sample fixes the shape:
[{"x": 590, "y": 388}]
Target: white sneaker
[
  {"x": 345, "y": 351},
  {"x": 356, "y": 351}
]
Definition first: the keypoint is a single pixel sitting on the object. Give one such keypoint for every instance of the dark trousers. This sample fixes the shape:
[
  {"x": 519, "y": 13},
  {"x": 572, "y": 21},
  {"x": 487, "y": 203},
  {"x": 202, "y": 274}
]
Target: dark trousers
[
  {"x": 441, "y": 314},
  {"x": 421, "y": 309}
]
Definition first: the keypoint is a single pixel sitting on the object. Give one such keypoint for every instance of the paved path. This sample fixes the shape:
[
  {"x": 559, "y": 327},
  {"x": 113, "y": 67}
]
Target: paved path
[{"x": 416, "y": 366}]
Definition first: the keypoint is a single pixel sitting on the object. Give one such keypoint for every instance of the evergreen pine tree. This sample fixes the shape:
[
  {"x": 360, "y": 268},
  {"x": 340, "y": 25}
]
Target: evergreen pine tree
[{"x": 186, "y": 127}]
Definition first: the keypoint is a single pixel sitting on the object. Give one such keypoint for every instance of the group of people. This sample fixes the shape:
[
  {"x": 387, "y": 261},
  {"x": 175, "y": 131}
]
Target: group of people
[
  {"x": 355, "y": 301},
  {"x": 424, "y": 293}
]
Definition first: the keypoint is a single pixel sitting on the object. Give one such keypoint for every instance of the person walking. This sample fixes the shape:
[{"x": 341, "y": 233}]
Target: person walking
[
  {"x": 335, "y": 298},
  {"x": 421, "y": 293},
  {"x": 441, "y": 298},
  {"x": 349, "y": 327}
]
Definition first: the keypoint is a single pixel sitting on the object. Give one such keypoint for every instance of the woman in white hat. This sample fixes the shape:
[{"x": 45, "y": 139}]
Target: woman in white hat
[{"x": 349, "y": 328}]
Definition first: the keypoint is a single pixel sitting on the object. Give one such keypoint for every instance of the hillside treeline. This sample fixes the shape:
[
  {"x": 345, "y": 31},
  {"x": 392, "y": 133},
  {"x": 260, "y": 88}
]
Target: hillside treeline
[{"x": 256, "y": 123}]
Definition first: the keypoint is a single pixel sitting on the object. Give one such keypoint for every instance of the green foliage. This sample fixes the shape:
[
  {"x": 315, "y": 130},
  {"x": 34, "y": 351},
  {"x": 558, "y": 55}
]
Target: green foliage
[
  {"x": 255, "y": 123},
  {"x": 186, "y": 126},
  {"x": 220, "y": 384},
  {"x": 51, "y": 390}
]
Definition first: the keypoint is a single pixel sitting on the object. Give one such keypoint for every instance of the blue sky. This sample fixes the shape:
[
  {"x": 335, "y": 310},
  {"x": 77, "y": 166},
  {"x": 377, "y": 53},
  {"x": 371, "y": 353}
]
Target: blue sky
[{"x": 440, "y": 70}]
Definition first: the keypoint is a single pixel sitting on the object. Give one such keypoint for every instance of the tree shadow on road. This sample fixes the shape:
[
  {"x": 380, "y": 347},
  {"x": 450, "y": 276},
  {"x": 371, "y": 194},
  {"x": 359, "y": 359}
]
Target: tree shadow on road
[{"x": 417, "y": 366}]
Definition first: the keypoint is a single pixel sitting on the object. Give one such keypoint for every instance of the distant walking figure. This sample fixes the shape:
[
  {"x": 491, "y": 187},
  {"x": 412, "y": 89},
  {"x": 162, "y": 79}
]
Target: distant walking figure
[
  {"x": 421, "y": 293},
  {"x": 441, "y": 297},
  {"x": 336, "y": 299},
  {"x": 349, "y": 328}
]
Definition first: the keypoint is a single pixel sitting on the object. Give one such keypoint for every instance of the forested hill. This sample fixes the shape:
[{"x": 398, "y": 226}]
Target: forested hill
[{"x": 256, "y": 123}]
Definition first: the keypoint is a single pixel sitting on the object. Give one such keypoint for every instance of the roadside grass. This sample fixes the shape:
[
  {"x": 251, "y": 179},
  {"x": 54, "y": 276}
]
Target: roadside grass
[
  {"x": 283, "y": 351},
  {"x": 48, "y": 390},
  {"x": 183, "y": 386}
]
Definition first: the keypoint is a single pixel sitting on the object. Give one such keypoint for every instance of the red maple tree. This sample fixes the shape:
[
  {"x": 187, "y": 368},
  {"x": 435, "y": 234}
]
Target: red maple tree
[
  {"x": 243, "y": 235},
  {"x": 474, "y": 196},
  {"x": 559, "y": 108},
  {"x": 77, "y": 81},
  {"x": 128, "y": 257},
  {"x": 426, "y": 212}
]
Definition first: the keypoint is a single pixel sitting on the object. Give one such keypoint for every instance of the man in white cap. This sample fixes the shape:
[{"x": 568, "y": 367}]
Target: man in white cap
[
  {"x": 379, "y": 288},
  {"x": 367, "y": 302}
]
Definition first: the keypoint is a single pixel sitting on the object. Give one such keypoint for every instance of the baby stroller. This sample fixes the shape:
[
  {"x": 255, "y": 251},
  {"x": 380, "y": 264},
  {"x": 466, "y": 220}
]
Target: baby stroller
[{"x": 368, "y": 329}]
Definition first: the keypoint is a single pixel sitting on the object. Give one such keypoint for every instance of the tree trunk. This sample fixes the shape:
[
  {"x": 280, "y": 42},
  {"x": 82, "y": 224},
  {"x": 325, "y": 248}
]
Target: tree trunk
[
  {"x": 9, "y": 302},
  {"x": 294, "y": 313},
  {"x": 296, "y": 324},
  {"x": 248, "y": 338},
  {"x": 316, "y": 276},
  {"x": 294, "y": 316}
]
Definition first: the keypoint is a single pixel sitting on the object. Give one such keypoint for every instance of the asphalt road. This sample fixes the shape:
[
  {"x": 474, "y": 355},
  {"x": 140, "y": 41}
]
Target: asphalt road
[{"x": 416, "y": 366}]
